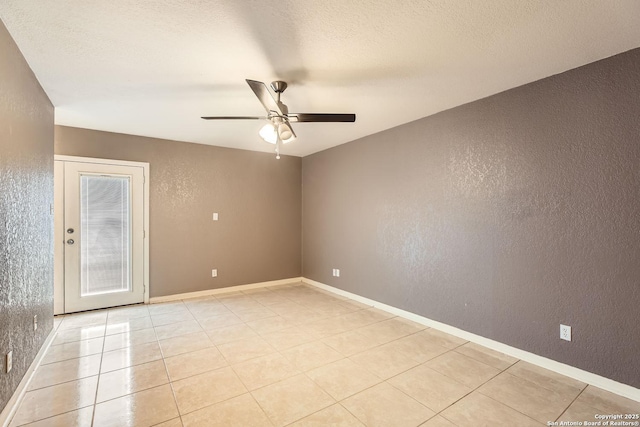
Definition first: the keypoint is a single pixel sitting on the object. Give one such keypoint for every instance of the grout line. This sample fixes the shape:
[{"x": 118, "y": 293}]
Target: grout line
[
  {"x": 572, "y": 402},
  {"x": 95, "y": 397},
  {"x": 514, "y": 409}
]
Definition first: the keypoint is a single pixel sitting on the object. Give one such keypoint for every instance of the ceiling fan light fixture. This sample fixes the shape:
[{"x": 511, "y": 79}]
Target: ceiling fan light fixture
[
  {"x": 286, "y": 134},
  {"x": 268, "y": 133}
]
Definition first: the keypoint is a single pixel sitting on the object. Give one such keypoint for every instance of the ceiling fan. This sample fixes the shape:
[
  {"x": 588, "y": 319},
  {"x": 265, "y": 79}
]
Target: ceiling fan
[{"x": 279, "y": 129}]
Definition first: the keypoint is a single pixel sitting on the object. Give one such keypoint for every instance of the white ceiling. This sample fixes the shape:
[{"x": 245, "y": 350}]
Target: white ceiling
[{"x": 153, "y": 67}]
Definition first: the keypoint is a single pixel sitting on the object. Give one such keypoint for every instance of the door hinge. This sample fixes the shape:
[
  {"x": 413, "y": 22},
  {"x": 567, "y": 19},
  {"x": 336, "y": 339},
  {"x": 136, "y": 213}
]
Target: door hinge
[{"x": 144, "y": 234}]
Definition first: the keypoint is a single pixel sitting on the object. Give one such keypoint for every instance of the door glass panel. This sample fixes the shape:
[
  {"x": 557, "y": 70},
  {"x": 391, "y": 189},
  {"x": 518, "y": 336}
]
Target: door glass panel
[{"x": 105, "y": 224}]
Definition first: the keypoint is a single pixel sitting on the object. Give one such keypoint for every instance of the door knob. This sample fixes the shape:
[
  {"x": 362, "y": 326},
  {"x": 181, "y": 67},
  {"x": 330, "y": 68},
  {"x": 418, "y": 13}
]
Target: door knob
[
  {"x": 70, "y": 230},
  {"x": 70, "y": 242}
]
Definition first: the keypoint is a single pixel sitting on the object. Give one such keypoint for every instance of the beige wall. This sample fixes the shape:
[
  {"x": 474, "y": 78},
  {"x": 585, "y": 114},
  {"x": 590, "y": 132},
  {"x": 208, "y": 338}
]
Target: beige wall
[
  {"x": 26, "y": 192},
  {"x": 504, "y": 217},
  {"x": 258, "y": 198}
]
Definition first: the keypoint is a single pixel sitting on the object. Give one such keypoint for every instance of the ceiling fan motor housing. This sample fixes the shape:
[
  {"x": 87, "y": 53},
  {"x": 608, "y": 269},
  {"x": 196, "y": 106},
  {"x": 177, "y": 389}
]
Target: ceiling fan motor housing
[{"x": 279, "y": 86}]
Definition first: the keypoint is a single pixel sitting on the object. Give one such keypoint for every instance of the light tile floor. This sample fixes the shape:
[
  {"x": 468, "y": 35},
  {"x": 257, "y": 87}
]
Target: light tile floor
[{"x": 288, "y": 355}]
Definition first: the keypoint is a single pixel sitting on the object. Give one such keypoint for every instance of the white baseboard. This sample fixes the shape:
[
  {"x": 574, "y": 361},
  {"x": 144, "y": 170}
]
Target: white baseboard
[
  {"x": 12, "y": 405},
  {"x": 208, "y": 292},
  {"x": 561, "y": 368}
]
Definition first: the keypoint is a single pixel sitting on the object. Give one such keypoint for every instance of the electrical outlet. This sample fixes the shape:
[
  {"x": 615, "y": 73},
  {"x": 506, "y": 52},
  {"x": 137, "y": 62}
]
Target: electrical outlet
[
  {"x": 336, "y": 272},
  {"x": 565, "y": 332},
  {"x": 35, "y": 322},
  {"x": 214, "y": 272},
  {"x": 215, "y": 216},
  {"x": 9, "y": 361}
]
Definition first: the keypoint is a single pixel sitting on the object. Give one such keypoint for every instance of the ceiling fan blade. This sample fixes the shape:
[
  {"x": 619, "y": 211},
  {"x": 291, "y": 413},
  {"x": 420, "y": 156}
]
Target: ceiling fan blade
[
  {"x": 265, "y": 97},
  {"x": 234, "y": 118},
  {"x": 322, "y": 117}
]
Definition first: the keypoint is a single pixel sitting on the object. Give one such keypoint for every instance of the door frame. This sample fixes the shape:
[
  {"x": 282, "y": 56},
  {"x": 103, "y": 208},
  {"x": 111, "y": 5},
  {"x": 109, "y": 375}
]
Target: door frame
[{"x": 58, "y": 300}]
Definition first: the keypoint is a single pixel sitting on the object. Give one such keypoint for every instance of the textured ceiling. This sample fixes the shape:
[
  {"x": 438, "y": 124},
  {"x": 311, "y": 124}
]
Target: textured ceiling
[{"x": 153, "y": 67}]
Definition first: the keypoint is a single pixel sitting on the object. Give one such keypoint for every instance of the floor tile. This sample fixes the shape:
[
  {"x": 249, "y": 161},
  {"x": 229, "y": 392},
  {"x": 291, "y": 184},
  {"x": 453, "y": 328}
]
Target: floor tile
[
  {"x": 167, "y": 307},
  {"x": 78, "y": 334},
  {"x": 356, "y": 305},
  {"x": 47, "y": 402},
  {"x": 438, "y": 421},
  {"x": 171, "y": 317},
  {"x": 419, "y": 347},
  {"x": 130, "y": 356},
  {"x": 383, "y": 406},
  {"x": 334, "y": 416},
  {"x": 127, "y": 312},
  {"x": 479, "y": 410},
  {"x": 128, "y": 339},
  {"x": 328, "y": 327},
  {"x": 463, "y": 369},
  {"x": 388, "y": 330},
  {"x": 230, "y": 333},
  {"x": 351, "y": 342},
  {"x": 292, "y": 399},
  {"x": 608, "y": 403},
  {"x": 441, "y": 338},
  {"x": 206, "y": 389},
  {"x": 384, "y": 361},
  {"x": 270, "y": 324},
  {"x": 580, "y": 412},
  {"x": 245, "y": 349},
  {"x": 255, "y": 314},
  {"x": 184, "y": 344},
  {"x": 79, "y": 418},
  {"x": 91, "y": 318},
  {"x": 176, "y": 422},
  {"x": 194, "y": 363},
  {"x": 226, "y": 352},
  {"x": 128, "y": 325},
  {"x": 287, "y": 306},
  {"x": 302, "y": 316},
  {"x": 487, "y": 356},
  {"x": 219, "y": 321},
  {"x": 332, "y": 309},
  {"x": 343, "y": 378},
  {"x": 131, "y": 380},
  {"x": 362, "y": 318},
  {"x": 145, "y": 408},
  {"x": 239, "y": 411},
  {"x": 242, "y": 303},
  {"x": 264, "y": 370},
  {"x": 432, "y": 389},
  {"x": 177, "y": 329},
  {"x": 287, "y": 338},
  {"x": 546, "y": 378},
  {"x": 68, "y": 370},
  {"x": 57, "y": 320},
  {"x": 528, "y": 398},
  {"x": 202, "y": 311},
  {"x": 312, "y": 355},
  {"x": 72, "y": 350},
  {"x": 268, "y": 299}
]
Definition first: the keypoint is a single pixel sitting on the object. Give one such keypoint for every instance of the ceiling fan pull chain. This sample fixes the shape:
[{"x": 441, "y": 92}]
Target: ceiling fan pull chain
[{"x": 278, "y": 147}]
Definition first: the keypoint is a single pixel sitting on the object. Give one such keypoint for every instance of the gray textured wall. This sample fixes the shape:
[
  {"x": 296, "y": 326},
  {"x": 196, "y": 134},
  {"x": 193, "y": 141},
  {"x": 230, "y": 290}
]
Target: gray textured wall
[
  {"x": 26, "y": 192},
  {"x": 504, "y": 217},
  {"x": 258, "y": 198}
]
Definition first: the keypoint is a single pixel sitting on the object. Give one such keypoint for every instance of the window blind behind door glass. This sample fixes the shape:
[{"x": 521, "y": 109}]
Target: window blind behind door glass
[{"x": 105, "y": 262}]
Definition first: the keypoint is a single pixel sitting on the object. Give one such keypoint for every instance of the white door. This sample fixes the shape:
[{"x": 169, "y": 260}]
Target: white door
[{"x": 103, "y": 235}]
